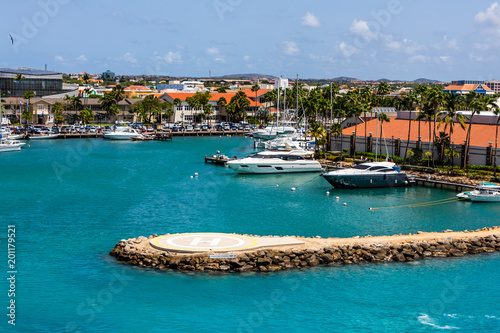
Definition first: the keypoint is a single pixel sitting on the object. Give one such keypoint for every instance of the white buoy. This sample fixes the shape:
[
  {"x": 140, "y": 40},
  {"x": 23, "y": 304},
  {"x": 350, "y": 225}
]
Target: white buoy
[
  {"x": 191, "y": 176},
  {"x": 345, "y": 204},
  {"x": 293, "y": 188},
  {"x": 337, "y": 197},
  {"x": 277, "y": 185},
  {"x": 196, "y": 174},
  {"x": 327, "y": 192}
]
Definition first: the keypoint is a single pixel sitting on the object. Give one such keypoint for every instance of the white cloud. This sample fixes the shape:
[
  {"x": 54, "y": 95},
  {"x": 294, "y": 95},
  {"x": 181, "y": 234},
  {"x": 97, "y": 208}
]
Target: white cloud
[
  {"x": 309, "y": 20},
  {"x": 322, "y": 58},
  {"x": 59, "y": 58},
  {"x": 128, "y": 57},
  {"x": 171, "y": 58},
  {"x": 419, "y": 58},
  {"x": 214, "y": 53},
  {"x": 290, "y": 48},
  {"x": 246, "y": 58},
  {"x": 81, "y": 58},
  {"x": 361, "y": 28},
  {"x": 491, "y": 15}
]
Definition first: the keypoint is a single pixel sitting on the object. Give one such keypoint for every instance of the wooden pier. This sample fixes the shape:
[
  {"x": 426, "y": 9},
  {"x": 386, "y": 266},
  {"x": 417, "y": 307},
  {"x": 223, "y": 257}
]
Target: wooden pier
[
  {"x": 163, "y": 136},
  {"x": 442, "y": 184},
  {"x": 221, "y": 160}
]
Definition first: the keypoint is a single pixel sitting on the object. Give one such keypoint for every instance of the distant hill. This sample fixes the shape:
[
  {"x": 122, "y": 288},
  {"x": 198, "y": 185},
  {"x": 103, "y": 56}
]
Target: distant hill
[
  {"x": 422, "y": 80},
  {"x": 344, "y": 79},
  {"x": 246, "y": 76}
]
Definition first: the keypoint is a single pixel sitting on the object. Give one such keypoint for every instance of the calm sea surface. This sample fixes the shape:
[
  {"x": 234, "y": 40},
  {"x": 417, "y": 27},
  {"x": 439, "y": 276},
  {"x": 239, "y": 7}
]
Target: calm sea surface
[{"x": 72, "y": 200}]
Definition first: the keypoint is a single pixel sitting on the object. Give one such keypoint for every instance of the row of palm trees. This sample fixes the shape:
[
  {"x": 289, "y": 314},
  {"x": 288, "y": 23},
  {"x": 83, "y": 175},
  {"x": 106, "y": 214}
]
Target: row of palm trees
[{"x": 325, "y": 105}]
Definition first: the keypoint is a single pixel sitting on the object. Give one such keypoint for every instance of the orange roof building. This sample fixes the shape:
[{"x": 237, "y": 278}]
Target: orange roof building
[
  {"x": 481, "y": 135},
  {"x": 185, "y": 113}
]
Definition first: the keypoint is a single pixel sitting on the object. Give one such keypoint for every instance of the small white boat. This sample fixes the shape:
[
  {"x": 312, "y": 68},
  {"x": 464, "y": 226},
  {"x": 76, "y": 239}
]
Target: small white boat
[
  {"x": 42, "y": 137},
  {"x": 122, "y": 133},
  {"x": 10, "y": 145},
  {"x": 268, "y": 162},
  {"x": 484, "y": 192}
]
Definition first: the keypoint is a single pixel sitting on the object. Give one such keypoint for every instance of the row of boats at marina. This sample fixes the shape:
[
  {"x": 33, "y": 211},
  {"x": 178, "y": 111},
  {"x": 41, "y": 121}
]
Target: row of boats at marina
[{"x": 287, "y": 154}]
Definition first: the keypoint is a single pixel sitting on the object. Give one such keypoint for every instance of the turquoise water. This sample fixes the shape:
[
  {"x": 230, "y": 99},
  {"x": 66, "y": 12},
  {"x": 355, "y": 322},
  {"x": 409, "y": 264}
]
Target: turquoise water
[{"x": 73, "y": 200}]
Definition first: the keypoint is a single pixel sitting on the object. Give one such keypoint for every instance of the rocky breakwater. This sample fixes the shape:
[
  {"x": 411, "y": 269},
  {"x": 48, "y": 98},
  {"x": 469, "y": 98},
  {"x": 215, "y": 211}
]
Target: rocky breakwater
[{"x": 313, "y": 252}]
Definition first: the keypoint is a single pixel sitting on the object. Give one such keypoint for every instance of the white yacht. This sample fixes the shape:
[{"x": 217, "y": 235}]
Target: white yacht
[
  {"x": 271, "y": 132},
  {"x": 10, "y": 145},
  {"x": 371, "y": 174},
  {"x": 277, "y": 162},
  {"x": 122, "y": 133},
  {"x": 484, "y": 192}
]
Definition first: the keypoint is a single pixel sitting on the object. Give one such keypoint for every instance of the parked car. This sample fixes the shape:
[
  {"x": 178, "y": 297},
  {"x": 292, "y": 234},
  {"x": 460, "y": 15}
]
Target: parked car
[
  {"x": 204, "y": 128},
  {"x": 197, "y": 128},
  {"x": 227, "y": 127},
  {"x": 189, "y": 128}
]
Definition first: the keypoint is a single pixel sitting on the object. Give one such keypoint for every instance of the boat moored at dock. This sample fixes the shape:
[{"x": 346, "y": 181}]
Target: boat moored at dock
[
  {"x": 370, "y": 174},
  {"x": 269, "y": 162},
  {"x": 484, "y": 192}
]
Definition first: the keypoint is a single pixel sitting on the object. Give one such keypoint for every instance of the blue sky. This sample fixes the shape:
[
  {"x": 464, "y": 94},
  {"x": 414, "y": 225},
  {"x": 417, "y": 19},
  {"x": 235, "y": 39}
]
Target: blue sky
[{"x": 442, "y": 40}]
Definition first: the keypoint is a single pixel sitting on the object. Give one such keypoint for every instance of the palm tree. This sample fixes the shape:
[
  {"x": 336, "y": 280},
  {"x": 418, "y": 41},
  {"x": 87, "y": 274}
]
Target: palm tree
[
  {"x": 451, "y": 154},
  {"x": 85, "y": 78},
  {"x": 383, "y": 89},
  {"x": 383, "y": 118},
  {"x": 221, "y": 102},
  {"x": 451, "y": 104},
  {"x": 427, "y": 114},
  {"x": 57, "y": 110},
  {"x": 407, "y": 104},
  {"x": 317, "y": 132},
  {"x": 221, "y": 90},
  {"x": 255, "y": 88},
  {"x": 496, "y": 112},
  {"x": 87, "y": 115},
  {"x": 239, "y": 103},
  {"x": 28, "y": 95}
]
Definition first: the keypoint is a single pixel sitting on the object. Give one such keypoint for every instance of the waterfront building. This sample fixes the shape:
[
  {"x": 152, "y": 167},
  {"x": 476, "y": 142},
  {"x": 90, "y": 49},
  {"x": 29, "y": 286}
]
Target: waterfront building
[
  {"x": 463, "y": 87},
  {"x": 40, "y": 82},
  {"x": 41, "y": 108},
  {"x": 185, "y": 113}
]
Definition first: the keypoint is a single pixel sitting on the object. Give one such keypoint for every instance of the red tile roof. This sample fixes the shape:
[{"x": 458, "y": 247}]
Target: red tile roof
[
  {"x": 251, "y": 93},
  {"x": 466, "y": 87},
  {"x": 481, "y": 134}
]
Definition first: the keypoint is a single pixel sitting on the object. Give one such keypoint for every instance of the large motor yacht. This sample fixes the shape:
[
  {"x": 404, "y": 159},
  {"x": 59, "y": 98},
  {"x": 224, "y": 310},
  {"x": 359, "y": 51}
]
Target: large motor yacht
[
  {"x": 276, "y": 162},
  {"x": 371, "y": 174}
]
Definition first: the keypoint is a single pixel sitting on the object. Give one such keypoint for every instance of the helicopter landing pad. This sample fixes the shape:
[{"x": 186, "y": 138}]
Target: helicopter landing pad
[{"x": 217, "y": 242}]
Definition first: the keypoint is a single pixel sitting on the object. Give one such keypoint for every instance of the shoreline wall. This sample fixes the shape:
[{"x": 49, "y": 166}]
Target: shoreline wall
[{"x": 315, "y": 252}]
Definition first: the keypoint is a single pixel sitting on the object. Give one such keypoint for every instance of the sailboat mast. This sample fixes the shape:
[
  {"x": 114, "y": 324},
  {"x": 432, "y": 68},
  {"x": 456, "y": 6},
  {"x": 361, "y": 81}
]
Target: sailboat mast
[
  {"x": 278, "y": 107},
  {"x": 297, "y": 99}
]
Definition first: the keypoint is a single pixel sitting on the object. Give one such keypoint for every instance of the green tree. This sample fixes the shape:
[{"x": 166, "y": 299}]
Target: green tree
[
  {"x": 238, "y": 104},
  {"x": 221, "y": 103},
  {"x": 496, "y": 112},
  {"x": 85, "y": 78},
  {"x": 318, "y": 133},
  {"x": 255, "y": 88},
  {"x": 383, "y": 118},
  {"x": 87, "y": 115},
  {"x": 57, "y": 110},
  {"x": 383, "y": 89},
  {"x": 221, "y": 90}
]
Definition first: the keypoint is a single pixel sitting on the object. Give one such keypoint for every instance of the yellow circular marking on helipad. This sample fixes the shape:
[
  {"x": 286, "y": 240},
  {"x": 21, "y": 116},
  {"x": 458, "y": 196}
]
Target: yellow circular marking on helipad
[{"x": 203, "y": 242}]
